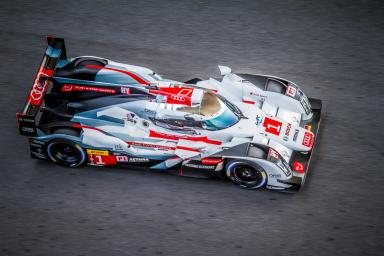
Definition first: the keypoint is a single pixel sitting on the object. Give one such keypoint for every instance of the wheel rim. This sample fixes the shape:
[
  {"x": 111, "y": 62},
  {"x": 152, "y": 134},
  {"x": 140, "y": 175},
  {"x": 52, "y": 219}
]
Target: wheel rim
[
  {"x": 66, "y": 154},
  {"x": 246, "y": 175}
]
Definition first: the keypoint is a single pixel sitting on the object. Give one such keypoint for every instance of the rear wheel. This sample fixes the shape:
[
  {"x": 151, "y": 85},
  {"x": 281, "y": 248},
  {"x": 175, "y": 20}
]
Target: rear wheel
[
  {"x": 246, "y": 174},
  {"x": 65, "y": 151}
]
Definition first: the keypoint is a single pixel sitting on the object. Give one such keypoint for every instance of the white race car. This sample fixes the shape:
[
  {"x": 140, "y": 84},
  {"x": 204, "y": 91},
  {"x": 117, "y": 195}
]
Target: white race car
[{"x": 255, "y": 130}]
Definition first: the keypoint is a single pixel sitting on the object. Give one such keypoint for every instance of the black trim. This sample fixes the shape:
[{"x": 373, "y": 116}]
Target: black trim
[
  {"x": 257, "y": 80},
  {"x": 193, "y": 81}
]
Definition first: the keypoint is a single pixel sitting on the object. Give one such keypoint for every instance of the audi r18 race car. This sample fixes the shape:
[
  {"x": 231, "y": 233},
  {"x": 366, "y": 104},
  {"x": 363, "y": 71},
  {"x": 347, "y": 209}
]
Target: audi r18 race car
[{"x": 254, "y": 130}]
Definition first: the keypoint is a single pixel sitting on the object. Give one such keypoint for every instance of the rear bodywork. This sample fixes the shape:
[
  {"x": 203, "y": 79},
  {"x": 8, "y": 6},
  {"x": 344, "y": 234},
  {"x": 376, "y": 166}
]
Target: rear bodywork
[{"x": 128, "y": 115}]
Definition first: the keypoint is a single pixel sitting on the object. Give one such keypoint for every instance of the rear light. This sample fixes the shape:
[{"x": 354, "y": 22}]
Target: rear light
[
  {"x": 298, "y": 167},
  {"x": 211, "y": 160}
]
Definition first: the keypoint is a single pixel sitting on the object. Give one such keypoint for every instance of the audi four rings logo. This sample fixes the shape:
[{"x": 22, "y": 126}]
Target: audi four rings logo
[
  {"x": 39, "y": 87},
  {"x": 307, "y": 140}
]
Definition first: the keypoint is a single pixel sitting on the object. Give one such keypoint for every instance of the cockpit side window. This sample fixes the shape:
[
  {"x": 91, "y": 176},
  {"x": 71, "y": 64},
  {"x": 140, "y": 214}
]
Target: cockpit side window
[
  {"x": 276, "y": 86},
  {"x": 256, "y": 80}
]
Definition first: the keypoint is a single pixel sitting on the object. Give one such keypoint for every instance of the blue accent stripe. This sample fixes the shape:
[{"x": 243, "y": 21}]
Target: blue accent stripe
[{"x": 53, "y": 52}]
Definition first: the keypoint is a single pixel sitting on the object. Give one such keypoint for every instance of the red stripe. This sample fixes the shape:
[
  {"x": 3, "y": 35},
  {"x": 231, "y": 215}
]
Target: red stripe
[
  {"x": 163, "y": 135},
  {"x": 249, "y": 101},
  {"x": 188, "y": 149},
  {"x": 177, "y": 137},
  {"x": 86, "y": 127},
  {"x": 134, "y": 76},
  {"x": 203, "y": 139},
  {"x": 139, "y": 144}
]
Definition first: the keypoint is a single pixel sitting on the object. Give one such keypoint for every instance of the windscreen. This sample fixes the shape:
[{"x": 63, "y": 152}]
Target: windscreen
[{"x": 226, "y": 118}]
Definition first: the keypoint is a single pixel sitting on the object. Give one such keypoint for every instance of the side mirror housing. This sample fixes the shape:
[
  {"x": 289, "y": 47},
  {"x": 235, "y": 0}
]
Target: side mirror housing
[{"x": 224, "y": 70}]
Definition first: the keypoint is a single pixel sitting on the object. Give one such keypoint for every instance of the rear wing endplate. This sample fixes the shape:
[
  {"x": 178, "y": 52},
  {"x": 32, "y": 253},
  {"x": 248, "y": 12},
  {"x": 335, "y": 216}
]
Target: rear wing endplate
[{"x": 26, "y": 119}]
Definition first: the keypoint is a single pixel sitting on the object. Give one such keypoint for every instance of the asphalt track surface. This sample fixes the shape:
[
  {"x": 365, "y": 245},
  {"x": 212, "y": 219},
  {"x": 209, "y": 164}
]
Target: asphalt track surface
[{"x": 334, "y": 49}]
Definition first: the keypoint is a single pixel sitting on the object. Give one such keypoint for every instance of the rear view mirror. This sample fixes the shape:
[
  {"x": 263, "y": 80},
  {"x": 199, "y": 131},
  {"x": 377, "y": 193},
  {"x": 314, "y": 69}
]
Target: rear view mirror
[{"x": 224, "y": 70}]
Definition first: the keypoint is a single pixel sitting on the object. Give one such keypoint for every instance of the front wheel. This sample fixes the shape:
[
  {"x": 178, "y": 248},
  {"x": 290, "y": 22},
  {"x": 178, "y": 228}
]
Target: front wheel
[
  {"x": 66, "y": 153},
  {"x": 246, "y": 174}
]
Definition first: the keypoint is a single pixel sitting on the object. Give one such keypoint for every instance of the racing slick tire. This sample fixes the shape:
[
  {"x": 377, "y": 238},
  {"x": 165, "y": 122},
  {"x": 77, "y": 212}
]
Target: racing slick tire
[
  {"x": 66, "y": 152},
  {"x": 246, "y": 174}
]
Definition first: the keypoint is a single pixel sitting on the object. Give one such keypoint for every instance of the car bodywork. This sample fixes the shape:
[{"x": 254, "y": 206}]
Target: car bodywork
[{"x": 124, "y": 114}]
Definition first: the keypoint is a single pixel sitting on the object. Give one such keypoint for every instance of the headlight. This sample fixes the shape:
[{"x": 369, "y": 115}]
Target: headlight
[
  {"x": 304, "y": 101},
  {"x": 284, "y": 166}
]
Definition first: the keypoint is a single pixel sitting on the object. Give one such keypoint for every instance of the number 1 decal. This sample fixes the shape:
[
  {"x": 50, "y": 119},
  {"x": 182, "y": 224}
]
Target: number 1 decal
[
  {"x": 99, "y": 160},
  {"x": 272, "y": 126}
]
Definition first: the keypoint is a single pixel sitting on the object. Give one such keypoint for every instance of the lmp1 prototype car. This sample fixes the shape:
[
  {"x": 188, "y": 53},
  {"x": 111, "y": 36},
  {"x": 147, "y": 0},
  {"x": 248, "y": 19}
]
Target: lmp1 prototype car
[{"x": 254, "y": 130}]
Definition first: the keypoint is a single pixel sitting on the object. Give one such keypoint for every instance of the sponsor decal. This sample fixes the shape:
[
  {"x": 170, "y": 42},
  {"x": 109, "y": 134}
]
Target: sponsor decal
[
  {"x": 122, "y": 158},
  {"x": 27, "y": 129},
  {"x": 125, "y": 90},
  {"x": 285, "y": 138},
  {"x": 298, "y": 167},
  {"x": 97, "y": 152},
  {"x": 36, "y": 148},
  {"x": 138, "y": 160},
  {"x": 118, "y": 147},
  {"x": 199, "y": 166},
  {"x": 272, "y": 126},
  {"x": 39, "y": 86},
  {"x": 259, "y": 119},
  {"x": 140, "y": 144},
  {"x": 295, "y": 134},
  {"x": 130, "y": 118},
  {"x": 288, "y": 130},
  {"x": 127, "y": 159},
  {"x": 274, "y": 175},
  {"x": 26, "y": 119},
  {"x": 213, "y": 161},
  {"x": 258, "y": 95},
  {"x": 291, "y": 91},
  {"x": 308, "y": 127},
  {"x": 73, "y": 87},
  {"x": 308, "y": 139},
  {"x": 273, "y": 153}
]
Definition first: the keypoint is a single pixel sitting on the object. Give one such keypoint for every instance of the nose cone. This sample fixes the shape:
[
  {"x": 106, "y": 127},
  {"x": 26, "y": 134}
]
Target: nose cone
[{"x": 289, "y": 135}]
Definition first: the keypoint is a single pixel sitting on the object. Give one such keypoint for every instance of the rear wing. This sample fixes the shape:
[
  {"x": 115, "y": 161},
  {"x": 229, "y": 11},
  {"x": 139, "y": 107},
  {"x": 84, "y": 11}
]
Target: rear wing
[{"x": 53, "y": 54}]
